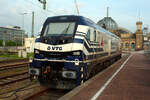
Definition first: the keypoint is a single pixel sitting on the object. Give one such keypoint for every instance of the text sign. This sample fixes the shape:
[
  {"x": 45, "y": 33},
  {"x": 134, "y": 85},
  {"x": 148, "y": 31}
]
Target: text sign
[{"x": 54, "y": 48}]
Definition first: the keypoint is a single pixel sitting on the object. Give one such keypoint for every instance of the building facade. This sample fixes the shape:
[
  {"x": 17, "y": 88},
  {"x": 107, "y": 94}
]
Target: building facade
[
  {"x": 12, "y": 34},
  {"x": 128, "y": 41},
  {"x": 139, "y": 36},
  {"x": 133, "y": 41}
]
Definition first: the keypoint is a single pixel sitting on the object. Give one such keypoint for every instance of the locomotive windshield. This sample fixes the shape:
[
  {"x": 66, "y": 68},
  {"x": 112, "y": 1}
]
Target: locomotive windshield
[{"x": 59, "y": 29}]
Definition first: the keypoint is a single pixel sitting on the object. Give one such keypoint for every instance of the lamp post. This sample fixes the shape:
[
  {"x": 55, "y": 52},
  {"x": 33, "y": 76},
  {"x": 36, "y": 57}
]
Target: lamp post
[
  {"x": 32, "y": 24},
  {"x": 22, "y": 25}
]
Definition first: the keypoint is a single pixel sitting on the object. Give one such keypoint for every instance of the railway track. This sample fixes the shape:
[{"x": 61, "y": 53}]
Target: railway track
[
  {"x": 13, "y": 66},
  {"x": 13, "y": 61},
  {"x": 44, "y": 93},
  {"x": 10, "y": 79},
  {"x": 9, "y": 72},
  {"x": 10, "y": 64},
  {"x": 33, "y": 91}
]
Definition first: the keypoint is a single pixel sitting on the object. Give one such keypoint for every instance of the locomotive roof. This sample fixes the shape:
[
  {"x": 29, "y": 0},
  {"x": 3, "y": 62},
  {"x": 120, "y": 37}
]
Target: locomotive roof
[{"x": 80, "y": 20}]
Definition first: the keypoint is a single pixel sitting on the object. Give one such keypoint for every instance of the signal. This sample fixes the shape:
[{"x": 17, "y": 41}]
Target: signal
[{"x": 44, "y": 3}]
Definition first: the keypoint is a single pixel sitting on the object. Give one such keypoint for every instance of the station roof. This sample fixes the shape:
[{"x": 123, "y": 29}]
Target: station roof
[{"x": 109, "y": 23}]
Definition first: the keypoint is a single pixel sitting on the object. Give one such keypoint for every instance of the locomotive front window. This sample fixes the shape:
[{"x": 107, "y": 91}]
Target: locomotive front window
[{"x": 59, "y": 29}]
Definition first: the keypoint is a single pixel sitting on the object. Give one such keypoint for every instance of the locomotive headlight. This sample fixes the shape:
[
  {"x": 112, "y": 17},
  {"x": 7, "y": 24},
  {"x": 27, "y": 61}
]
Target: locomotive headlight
[
  {"x": 76, "y": 62},
  {"x": 69, "y": 74},
  {"x": 34, "y": 71},
  {"x": 77, "y": 53},
  {"x": 37, "y": 51}
]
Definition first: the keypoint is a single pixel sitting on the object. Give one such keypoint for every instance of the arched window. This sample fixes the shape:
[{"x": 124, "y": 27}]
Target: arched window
[
  {"x": 133, "y": 45},
  {"x": 127, "y": 45}
]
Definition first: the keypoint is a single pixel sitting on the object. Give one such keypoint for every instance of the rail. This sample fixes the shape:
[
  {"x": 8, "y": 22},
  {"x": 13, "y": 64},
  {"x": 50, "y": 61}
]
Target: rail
[
  {"x": 13, "y": 61},
  {"x": 10, "y": 79},
  {"x": 13, "y": 66}
]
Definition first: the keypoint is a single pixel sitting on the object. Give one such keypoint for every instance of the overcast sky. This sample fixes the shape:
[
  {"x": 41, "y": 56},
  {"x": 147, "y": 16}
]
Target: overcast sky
[{"x": 124, "y": 12}]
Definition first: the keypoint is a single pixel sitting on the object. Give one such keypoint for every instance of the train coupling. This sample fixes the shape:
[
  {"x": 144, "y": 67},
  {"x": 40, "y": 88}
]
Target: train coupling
[{"x": 47, "y": 70}]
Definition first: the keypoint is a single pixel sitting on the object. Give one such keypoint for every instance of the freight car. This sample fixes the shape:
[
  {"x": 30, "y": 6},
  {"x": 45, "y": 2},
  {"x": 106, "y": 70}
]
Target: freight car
[{"x": 68, "y": 49}]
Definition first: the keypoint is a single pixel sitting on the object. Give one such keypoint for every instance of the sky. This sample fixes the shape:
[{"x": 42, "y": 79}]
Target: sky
[{"x": 125, "y": 12}]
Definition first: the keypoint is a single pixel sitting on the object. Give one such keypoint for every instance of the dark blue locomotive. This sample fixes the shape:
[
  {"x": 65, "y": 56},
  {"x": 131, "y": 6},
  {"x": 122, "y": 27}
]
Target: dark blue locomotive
[{"x": 67, "y": 50}]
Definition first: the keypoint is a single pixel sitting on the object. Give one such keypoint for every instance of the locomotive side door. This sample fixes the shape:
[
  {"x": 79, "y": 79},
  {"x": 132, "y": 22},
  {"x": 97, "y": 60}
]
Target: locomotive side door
[{"x": 93, "y": 43}]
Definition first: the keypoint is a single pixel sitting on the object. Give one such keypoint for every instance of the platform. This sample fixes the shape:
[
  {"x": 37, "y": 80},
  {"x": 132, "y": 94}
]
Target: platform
[{"x": 128, "y": 79}]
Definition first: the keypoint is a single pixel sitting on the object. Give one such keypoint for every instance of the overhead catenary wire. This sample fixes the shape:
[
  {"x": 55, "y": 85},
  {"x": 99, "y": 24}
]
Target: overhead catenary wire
[{"x": 48, "y": 10}]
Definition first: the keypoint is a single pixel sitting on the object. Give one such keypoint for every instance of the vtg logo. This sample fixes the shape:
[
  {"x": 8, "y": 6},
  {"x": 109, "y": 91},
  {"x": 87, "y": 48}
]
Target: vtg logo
[{"x": 54, "y": 48}]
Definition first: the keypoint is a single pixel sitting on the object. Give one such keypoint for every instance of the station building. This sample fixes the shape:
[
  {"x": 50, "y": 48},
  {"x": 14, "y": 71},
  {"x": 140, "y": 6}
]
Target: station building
[{"x": 130, "y": 41}]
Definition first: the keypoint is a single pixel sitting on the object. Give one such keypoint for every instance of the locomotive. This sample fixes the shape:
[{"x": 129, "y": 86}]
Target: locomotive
[{"x": 68, "y": 49}]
